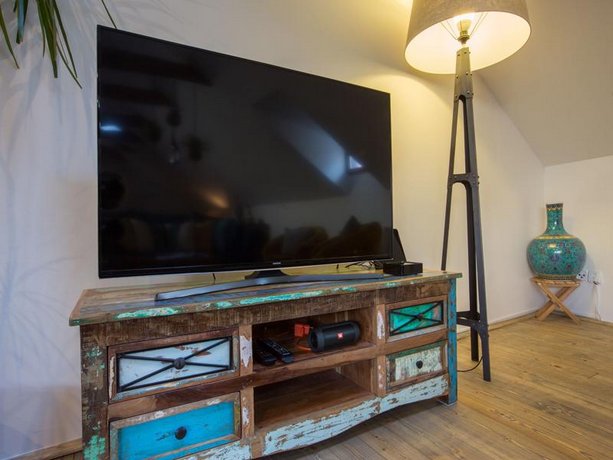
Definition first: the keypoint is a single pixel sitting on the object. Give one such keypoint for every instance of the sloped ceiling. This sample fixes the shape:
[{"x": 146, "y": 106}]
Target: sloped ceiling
[{"x": 558, "y": 89}]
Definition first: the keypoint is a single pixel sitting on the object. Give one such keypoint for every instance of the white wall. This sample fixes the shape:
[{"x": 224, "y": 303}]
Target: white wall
[
  {"x": 586, "y": 189},
  {"x": 561, "y": 79},
  {"x": 511, "y": 187},
  {"x": 48, "y": 174}
]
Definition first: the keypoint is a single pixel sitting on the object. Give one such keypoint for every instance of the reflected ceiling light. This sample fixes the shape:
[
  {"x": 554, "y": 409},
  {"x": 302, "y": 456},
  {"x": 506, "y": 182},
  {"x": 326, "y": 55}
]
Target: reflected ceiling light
[{"x": 110, "y": 128}]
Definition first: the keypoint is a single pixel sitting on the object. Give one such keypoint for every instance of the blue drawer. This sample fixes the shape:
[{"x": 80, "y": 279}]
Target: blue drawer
[{"x": 178, "y": 431}]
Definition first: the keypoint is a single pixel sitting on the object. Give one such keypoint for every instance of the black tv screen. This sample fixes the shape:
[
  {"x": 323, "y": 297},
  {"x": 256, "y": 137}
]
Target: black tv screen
[{"x": 209, "y": 162}]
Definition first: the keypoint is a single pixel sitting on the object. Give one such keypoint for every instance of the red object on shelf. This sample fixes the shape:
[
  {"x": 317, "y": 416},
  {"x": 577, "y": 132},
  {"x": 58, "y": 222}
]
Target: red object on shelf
[{"x": 301, "y": 330}]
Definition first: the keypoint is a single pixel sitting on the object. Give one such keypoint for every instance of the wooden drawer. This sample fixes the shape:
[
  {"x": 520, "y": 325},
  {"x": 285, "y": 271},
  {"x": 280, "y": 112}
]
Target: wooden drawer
[
  {"x": 177, "y": 432},
  {"x": 168, "y": 363},
  {"x": 416, "y": 364},
  {"x": 405, "y": 319}
]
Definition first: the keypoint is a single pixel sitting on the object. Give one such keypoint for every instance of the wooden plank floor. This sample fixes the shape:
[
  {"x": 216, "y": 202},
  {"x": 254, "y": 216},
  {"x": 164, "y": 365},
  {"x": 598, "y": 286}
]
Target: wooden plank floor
[{"x": 551, "y": 397}]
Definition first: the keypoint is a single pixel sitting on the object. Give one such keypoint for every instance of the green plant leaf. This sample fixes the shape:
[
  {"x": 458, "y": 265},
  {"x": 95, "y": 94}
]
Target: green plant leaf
[
  {"x": 64, "y": 45},
  {"x": 7, "y": 39},
  {"x": 48, "y": 28},
  {"x": 21, "y": 8},
  {"x": 54, "y": 35},
  {"x": 108, "y": 13}
]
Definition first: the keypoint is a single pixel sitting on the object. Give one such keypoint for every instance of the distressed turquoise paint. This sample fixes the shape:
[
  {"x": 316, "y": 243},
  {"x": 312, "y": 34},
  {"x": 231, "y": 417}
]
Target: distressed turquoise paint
[
  {"x": 417, "y": 392},
  {"x": 233, "y": 451},
  {"x": 155, "y": 437},
  {"x": 399, "y": 322},
  {"x": 281, "y": 297},
  {"x": 346, "y": 289},
  {"x": 311, "y": 431},
  {"x": 93, "y": 353},
  {"x": 452, "y": 344},
  {"x": 95, "y": 448},
  {"x": 451, "y": 305},
  {"x": 103, "y": 313},
  {"x": 148, "y": 313},
  {"x": 223, "y": 304}
]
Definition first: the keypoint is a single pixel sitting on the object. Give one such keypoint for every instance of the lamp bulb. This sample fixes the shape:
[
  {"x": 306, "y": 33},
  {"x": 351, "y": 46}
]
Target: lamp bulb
[{"x": 464, "y": 22}]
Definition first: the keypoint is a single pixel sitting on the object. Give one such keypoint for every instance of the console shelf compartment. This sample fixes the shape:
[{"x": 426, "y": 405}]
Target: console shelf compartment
[
  {"x": 283, "y": 333},
  {"x": 299, "y": 397},
  {"x": 331, "y": 358}
]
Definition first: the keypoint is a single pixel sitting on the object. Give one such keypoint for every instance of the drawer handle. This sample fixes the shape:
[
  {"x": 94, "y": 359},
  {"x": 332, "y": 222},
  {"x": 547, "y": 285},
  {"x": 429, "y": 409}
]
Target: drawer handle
[
  {"x": 179, "y": 363},
  {"x": 181, "y": 432},
  {"x": 419, "y": 364}
]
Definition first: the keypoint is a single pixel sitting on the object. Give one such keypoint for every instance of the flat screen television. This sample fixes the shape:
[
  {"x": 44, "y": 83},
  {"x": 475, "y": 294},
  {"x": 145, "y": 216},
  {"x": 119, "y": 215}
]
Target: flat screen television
[{"x": 209, "y": 162}]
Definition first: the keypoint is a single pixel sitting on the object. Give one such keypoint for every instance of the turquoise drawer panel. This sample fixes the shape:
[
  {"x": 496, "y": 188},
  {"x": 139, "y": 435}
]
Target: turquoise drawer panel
[
  {"x": 409, "y": 365},
  {"x": 415, "y": 317},
  {"x": 177, "y": 432}
]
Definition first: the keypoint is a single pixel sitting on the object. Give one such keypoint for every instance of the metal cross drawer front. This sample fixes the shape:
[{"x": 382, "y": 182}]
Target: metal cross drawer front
[
  {"x": 144, "y": 370},
  {"x": 181, "y": 431},
  {"x": 405, "y": 320}
]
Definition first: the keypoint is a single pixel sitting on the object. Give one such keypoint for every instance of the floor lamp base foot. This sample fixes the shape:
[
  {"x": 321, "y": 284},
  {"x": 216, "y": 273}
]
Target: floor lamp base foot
[{"x": 478, "y": 330}]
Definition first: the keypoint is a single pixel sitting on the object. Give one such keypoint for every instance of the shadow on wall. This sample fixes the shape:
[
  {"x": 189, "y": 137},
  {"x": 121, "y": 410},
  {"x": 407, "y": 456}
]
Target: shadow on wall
[{"x": 47, "y": 228}]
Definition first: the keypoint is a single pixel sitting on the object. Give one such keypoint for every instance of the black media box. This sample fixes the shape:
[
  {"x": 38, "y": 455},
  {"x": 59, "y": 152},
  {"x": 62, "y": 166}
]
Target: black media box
[{"x": 403, "y": 268}]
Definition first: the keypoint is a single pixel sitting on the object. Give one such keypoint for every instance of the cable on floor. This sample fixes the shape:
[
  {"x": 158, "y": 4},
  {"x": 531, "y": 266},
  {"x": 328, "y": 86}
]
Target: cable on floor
[{"x": 472, "y": 368}]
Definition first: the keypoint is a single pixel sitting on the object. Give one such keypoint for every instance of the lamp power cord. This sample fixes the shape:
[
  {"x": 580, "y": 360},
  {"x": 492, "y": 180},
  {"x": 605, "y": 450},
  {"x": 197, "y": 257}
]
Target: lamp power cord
[{"x": 472, "y": 368}]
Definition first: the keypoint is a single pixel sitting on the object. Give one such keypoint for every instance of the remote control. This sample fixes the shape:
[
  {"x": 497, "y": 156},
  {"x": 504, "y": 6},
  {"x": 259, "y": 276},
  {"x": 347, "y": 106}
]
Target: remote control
[
  {"x": 278, "y": 350},
  {"x": 262, "y": 356}
]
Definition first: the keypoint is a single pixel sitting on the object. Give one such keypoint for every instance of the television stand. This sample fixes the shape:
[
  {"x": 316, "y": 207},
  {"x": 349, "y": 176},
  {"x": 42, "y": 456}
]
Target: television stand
[
  {"x": 262, "y": 278},
  {"x": 177, "y": 379}
]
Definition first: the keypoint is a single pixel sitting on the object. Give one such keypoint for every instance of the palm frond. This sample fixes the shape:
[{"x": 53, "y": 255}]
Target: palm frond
[
  {"x": 48, "y": 29},
  {"x": 108, "y": 13},
  {"x": 54, "y": 35},
  {"x": 64, "y": 46},
  {"x": 7, "y": 39},
  {"x": 21, "y": 8}
]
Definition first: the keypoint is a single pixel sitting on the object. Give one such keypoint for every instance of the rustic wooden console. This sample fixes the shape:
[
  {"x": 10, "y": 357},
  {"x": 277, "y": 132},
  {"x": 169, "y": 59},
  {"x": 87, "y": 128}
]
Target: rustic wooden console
[{"x": 176, "y": 378}]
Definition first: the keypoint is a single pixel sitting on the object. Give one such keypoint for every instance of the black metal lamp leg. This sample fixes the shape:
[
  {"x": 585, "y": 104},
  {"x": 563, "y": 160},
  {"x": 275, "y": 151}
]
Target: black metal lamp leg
[{"x": 476, "y": 317}]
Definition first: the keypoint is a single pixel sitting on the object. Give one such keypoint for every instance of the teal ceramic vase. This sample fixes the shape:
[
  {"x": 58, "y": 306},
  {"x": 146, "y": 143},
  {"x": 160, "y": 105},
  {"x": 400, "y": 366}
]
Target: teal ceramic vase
[{"x": 556, "y": 254}]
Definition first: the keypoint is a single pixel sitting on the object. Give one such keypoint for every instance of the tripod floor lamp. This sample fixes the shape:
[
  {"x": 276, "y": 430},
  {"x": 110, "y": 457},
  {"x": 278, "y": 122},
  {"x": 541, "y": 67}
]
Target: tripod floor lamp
[{"x": 495, "y": 29}]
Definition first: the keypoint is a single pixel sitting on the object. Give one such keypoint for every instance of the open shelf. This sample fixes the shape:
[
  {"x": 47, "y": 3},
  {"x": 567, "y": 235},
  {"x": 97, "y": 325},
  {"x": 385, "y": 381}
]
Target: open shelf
[
  {"x": 283, "y": 333},
  {"x": 332, "y": 357},
  {"x": 303, "y": 396}
]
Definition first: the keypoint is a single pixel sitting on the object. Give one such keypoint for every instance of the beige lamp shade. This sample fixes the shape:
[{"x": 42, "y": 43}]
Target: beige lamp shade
[{"x": 498, "y": 29}]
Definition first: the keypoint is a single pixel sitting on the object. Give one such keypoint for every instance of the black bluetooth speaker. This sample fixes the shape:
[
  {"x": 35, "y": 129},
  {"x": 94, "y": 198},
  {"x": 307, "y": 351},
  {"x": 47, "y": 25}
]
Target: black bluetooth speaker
[{"x": 327, "y": 336}]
